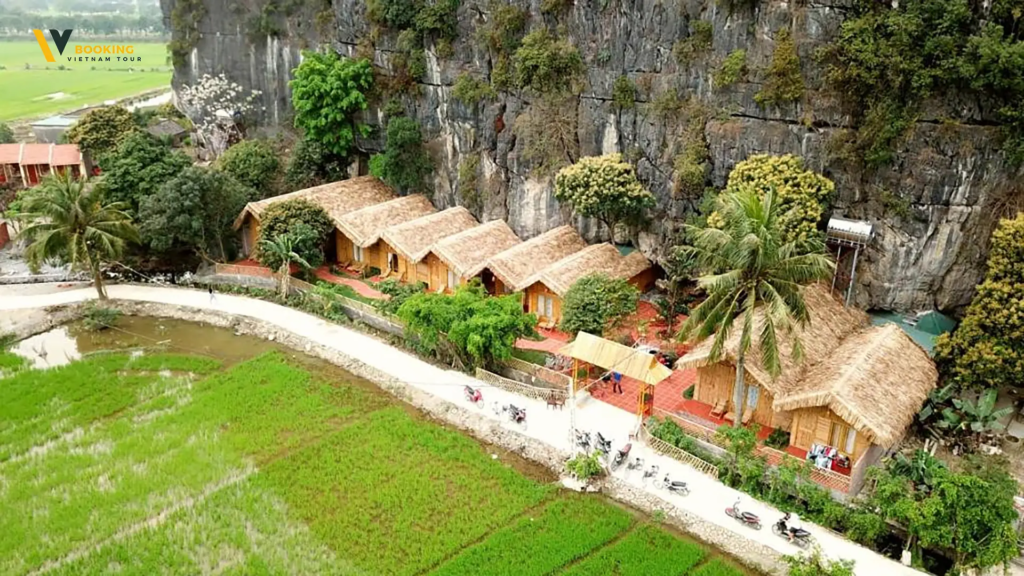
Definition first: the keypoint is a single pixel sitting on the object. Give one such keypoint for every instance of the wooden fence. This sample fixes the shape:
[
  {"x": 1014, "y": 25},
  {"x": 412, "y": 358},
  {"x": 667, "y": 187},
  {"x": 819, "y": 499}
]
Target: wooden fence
[
  {"x": 678, "y": 454},
  {"x": 548, "y": 375},
  {"x": 517, "y": 387}
]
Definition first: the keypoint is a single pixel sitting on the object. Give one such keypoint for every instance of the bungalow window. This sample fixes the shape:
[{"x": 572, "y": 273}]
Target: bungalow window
[
  {"x": 451, "y": 280},
  {"x": 545, "y": 306},
  {"x": 357, "y": 253},
  {"x": 842, "y": 437},
  {"x": 753, "y": 393}
]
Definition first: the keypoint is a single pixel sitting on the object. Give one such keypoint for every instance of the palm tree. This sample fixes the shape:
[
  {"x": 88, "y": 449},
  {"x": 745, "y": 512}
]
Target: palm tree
[
  {"x": 282, "y": 247},
  {"x": 68, "y": 220},
  {"x": 748, "y": 267}
]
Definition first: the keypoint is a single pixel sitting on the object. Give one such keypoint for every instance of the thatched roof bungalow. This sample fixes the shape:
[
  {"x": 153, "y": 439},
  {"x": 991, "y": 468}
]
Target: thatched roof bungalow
[
  {"x": 856, "y": 389},
  {"x": 408, "y": 244},
  {"x": 464, "y": 256},
  {"x": 544, "y": 297},
  {"x": 358, "y": 233},
  {"x": 336, "y": 198},
  {"x": 518, "y": 267}
]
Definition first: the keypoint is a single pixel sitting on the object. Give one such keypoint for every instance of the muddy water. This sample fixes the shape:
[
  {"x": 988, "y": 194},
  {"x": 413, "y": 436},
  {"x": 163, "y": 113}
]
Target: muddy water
[{"x": 141, "y": 334}]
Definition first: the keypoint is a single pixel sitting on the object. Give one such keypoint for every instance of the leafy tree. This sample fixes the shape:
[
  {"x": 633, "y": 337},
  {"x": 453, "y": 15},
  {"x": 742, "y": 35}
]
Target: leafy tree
[
  {"x": 138, "y": 167},
  {"x": 678, "y": 269},
  {"x": 595, "y": 302},
  {"x": 740, "y": 443},
  {"x": 603, "y": 187},
  {"x": 102, "y": 130},
  {"x": 254, "y": 163},
  {"x": 398, "y": 293},
  {"x": 802, "y": 194},
  {"x": 311, "y": 164},
  {"x": 194, "y": 212},
  {"x": 70, "y": 221},
  {"x": 481, "y": 329},
  {"x": 404, "y": 164},
  {"x": 985, "y": 350},
  {"x": 750, "y": 266},
  {"x": 306, "y": 224},
  {"x": 6, "y": 134},
  {"x": 547, "y": 63},
  {"x": 282, "y": 249},
  {"x": 327, "y": 92}
]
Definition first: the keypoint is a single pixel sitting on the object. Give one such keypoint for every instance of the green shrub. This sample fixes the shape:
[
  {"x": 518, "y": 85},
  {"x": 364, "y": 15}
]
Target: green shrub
[
  {"x": 404, "y": 164},
  {"x": 470, "y": 90},
  {"x": 96, "y": 318},
  {"x": 398, "y": 293},
  {"x": 254, "y": 163},
  {"x": 503, "y": 33},
  {"x": 783, "y": 82},
  {"x": 697, "y": 43},
  {"x": 732, "y": 70},
  {"x": 546, "y": 63},
  {"x": 585, "y": 466},
  {"x": 467, "y": 187},
  {"x": 595, "y": 302},
  {"x": 6, "y": 134},
  {"x": 624, "y": 93},
  {"x": 439, "y": 20},
  {"x": 688, "y": 393},
  {"x": 778, "y": 439},
  {"x": 304, "y": 221}
]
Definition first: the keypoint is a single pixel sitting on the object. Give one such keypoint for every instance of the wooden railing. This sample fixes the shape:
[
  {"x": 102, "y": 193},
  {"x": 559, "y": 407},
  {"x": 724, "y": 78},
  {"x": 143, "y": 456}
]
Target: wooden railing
[
  {"x": 237, "y": 270},
  {"x": 678, "y": 454},
  {"x": 517, "y": 387},
  {"x": 546, "y": 374}
]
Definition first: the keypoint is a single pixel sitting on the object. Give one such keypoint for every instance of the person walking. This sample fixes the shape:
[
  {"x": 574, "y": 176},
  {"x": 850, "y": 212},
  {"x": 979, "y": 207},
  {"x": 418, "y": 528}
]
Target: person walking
[
  {"x": 212, "y": 297},
  {"x": 616, "y": 382}
]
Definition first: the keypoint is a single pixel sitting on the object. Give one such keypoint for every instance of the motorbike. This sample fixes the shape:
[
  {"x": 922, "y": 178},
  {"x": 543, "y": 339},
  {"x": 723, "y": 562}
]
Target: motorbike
[
  {"x": 583, "y": 440},
  {"x": 636, "y": 464},
  {"x": 650, "y": 473},
  {"x": 603, "y": 444},
  {"x": 474, "y": 396},
  {"x": 747, "y": 518},
  {"x": 517, "y": 415},
  {"x": 621, "y": 456},
  {"x": 677, "y": 486},
  {"x": 801, "y": 537}
]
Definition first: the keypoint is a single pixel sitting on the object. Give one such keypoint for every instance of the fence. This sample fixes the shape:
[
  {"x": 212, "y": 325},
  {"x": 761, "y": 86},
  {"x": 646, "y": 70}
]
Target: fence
[
  {"x": 678, "y": 454},
  {"x": 516, "y": 387},
  {"x": 548, "y": 375},
  {"x": 236, "y": 270}
]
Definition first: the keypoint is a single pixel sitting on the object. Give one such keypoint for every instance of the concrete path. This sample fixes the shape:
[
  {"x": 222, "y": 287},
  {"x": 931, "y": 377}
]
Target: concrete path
[{"x": 708, "y": 498}]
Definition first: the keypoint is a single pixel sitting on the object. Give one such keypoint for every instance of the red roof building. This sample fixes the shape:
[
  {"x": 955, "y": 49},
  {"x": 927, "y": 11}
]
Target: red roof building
[{"x": 26, "y": 164}]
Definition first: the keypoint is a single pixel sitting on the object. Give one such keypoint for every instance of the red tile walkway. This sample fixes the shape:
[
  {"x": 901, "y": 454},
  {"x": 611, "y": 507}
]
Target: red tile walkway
[
  {"x": 362, "y": 288},
  {"x": 552, "y": 342}
]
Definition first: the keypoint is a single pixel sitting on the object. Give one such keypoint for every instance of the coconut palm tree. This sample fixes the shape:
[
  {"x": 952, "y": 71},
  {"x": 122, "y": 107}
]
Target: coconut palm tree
[
  {"x": 68, "y": 220},
  {"x": 748, "y": 267},
  {"x": 282, "y": 247}
]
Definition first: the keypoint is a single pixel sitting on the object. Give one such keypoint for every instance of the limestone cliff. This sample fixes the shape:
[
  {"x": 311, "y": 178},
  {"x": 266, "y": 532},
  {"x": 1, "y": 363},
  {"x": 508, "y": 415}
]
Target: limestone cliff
[{"x": 933, "y": 207}]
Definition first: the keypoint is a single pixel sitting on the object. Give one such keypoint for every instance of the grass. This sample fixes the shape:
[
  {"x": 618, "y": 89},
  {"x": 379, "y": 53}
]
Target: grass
[
  {"x": 532, "y": 356},
  {"x": 566, "y": 530},
  {"x": 174, "y": 464},
  {"x": 717, "y": 567},
  {"x": 647, "y": 551},
  {"x": 28, "y": 79}
]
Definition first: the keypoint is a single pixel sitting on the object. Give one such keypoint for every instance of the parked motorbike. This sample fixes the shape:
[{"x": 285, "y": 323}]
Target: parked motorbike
[
  {"x": 583, "y": 440},
  {"x": 650, "y": 473},
  {"x": 677, "y": 486},
  {"x": 517, "y": 415},
  {"x": 621, "y": 456},
  {"x": 747, "y": 518},
  {"x": 801, "y": 537},
  {"x": 603, "y": 444},
  {"x": 474, "y": 396},
  {"x": 636, "y": 464}
]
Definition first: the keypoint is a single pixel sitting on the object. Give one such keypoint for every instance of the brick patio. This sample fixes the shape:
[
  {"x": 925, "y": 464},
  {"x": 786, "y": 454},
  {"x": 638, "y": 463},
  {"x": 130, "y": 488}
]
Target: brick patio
[{"x": 362, "y": 288}]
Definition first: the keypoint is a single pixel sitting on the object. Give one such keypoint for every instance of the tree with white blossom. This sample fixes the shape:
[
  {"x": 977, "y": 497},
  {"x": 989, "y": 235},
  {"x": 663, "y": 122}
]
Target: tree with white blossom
[{"x": 217, "y": 106}]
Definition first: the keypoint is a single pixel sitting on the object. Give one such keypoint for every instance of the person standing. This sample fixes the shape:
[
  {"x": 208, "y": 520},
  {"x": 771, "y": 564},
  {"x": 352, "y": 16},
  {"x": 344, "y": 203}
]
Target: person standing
[
  {"x": 212, "y": 297},
  {"x": 616, "y": 382}
]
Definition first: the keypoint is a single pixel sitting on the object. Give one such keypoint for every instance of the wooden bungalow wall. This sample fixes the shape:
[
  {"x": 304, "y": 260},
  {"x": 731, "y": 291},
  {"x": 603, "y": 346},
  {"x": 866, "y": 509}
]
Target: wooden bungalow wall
[
  {"x": 345, "y": 249},
  {"x": 715, "y": 384},
  {"x": 532, "y": 305},
  {"x": 814, "y": 426}
]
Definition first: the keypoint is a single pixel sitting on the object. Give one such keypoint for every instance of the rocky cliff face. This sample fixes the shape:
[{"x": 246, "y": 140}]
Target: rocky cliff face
[{"x": 933, "y": 208}]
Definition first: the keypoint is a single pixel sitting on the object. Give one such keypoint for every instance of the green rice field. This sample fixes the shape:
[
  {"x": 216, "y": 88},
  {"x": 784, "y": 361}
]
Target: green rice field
[
  {"x": 34, "y": 87},
  {"x": 185, "y": 464}
]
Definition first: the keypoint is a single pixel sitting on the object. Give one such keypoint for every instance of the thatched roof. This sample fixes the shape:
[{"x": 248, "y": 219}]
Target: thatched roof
[
  {"x": 466, "y": 253},
  {"x": 520, "y": 266},
  {"x": 616, "y": 357},
  {"x": 876, "y": 381},
  {"x": 337, "y": 198},
  {"x": 599, "y": 258},
  {"x": 413, "y": 239},
  {"x": 363, "y": 227},
  {"x": 875, "y": 378}
]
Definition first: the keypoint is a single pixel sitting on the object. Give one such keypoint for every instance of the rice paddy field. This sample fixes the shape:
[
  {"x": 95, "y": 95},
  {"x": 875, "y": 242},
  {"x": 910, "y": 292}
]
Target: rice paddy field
[
  {"x": 175, "y": 463},
  {"x": 34, "y": 87}
]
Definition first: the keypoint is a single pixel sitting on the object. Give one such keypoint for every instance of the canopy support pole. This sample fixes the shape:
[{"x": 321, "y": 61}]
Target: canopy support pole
[{"x": 853, "y": 274}]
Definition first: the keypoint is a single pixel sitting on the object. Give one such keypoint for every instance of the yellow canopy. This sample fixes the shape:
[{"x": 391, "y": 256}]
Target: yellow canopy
[{"x": 615, "y": 357}]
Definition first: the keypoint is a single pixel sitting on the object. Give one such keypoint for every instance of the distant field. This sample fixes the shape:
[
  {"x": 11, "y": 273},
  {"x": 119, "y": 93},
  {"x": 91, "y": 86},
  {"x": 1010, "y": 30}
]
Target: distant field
[{"x": 28, "y": 80}]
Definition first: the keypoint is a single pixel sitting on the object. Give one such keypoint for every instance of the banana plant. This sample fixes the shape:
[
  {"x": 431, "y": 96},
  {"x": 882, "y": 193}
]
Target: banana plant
[{"x": 980, "y": 416}]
